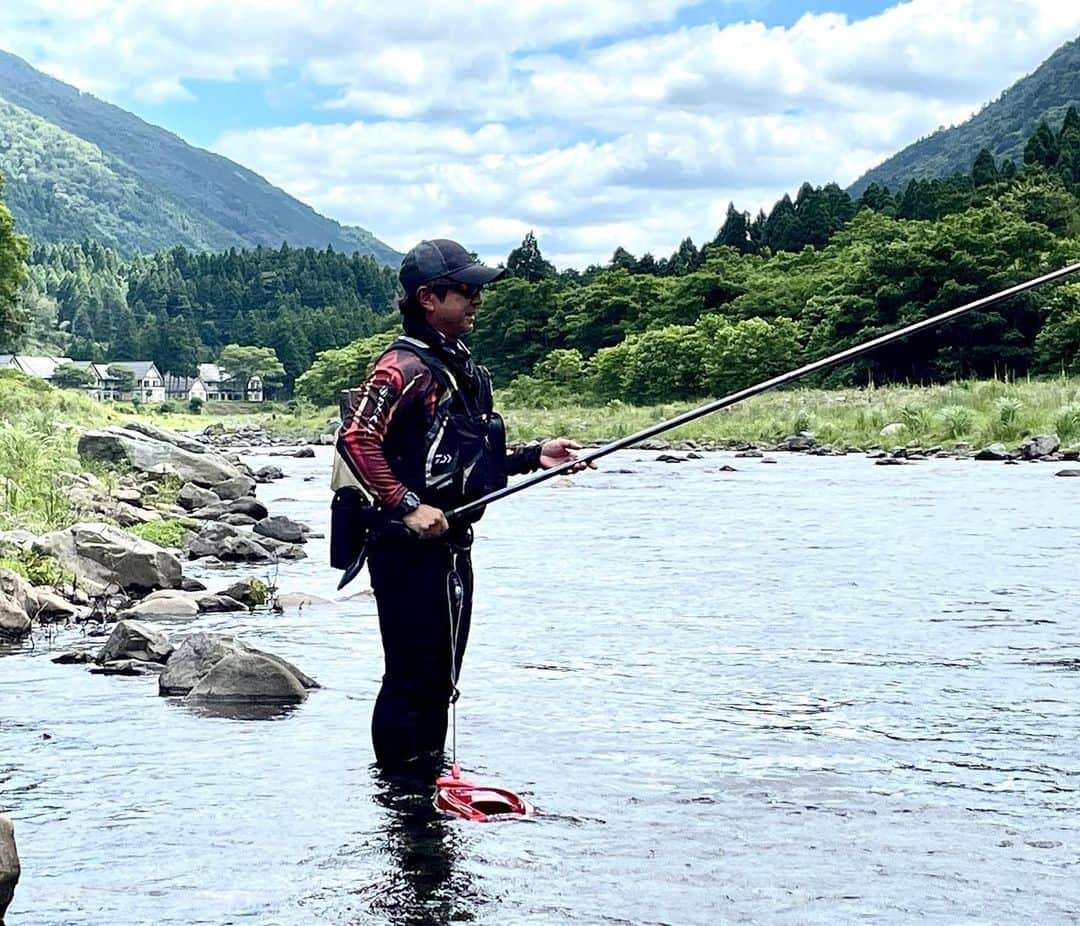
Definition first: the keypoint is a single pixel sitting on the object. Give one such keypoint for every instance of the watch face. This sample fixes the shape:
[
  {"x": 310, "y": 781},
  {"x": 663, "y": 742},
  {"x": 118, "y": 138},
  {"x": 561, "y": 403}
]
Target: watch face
[{"x": 410, "y": 501}]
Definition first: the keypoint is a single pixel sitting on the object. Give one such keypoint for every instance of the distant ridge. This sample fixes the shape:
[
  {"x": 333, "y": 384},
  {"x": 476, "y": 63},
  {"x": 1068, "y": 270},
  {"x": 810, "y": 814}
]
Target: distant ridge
[
  {"x": 79, "y": 168},
  {"x": 1003, "y": 126}
]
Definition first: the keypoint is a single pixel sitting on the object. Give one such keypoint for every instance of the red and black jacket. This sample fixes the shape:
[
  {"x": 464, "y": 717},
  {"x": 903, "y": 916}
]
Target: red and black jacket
[{"x": 423, "y": 420}]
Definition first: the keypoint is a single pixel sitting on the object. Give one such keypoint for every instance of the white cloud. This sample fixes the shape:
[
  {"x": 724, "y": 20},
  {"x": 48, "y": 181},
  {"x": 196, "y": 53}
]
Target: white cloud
[{"x": 596, "y": 124}]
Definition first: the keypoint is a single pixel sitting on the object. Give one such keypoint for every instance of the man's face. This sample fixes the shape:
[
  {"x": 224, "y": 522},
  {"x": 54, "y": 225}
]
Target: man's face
[{"x": 454, "y": 314}]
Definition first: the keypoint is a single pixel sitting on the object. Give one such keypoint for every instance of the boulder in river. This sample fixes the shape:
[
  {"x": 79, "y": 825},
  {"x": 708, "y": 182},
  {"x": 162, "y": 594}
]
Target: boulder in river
[
  {"x": 134, "y": 640},
  {"x": 237, "y": 487},
  {"x": 227, "y": 543},
  {"x": 249, "y": 677},
  {"x": 197, "y": 654},
  {"x": 281, "y": 528},
  {"x": 14, "y": 622},
  {"x": 9, "y": 865},
  {"x": 104, "y": 556},
  {"x": 1039, "y": 446}
]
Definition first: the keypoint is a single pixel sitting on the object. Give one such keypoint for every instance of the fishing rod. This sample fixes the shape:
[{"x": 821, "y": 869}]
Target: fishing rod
[{"x": 782, "y": 380}]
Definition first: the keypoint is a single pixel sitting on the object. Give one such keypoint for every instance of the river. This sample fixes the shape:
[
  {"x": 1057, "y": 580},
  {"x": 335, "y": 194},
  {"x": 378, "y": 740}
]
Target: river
[{"x": 819, "y": 691}]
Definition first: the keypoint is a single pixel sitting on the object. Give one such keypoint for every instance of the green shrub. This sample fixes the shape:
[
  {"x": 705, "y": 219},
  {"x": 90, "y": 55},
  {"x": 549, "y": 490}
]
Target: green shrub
[
  {"x": 166, "y": 408},
  {"x": 167, "y": 533},
  {"x": 956, "y": 421},
  {"x": 195, "y": 405},
  {"x": 37, "y": 568},
  {"x": 1067, "y": 423}
]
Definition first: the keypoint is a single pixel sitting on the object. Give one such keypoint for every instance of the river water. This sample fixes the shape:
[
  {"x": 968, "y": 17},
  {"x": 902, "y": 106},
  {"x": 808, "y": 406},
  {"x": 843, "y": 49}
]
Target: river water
[{"x": 819, "y": 691}]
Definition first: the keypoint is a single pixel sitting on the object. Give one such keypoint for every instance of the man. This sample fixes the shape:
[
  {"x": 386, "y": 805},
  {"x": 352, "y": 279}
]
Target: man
[{"x": 421, "y": 436}]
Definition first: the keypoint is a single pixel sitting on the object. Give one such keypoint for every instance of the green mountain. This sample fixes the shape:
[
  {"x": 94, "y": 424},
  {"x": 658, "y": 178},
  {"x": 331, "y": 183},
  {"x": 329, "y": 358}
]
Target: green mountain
[
  {"x": 1003, "y": 127},
  {"x": 77, "y": 168}
]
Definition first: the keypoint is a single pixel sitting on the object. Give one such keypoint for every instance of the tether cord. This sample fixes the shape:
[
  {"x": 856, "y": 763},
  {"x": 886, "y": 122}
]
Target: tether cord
[{"x": 455, "y": 594}]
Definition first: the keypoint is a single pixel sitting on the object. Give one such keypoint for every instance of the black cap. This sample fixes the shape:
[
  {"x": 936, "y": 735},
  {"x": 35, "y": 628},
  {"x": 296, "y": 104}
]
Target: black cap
[{"x": 443, "y": 259}]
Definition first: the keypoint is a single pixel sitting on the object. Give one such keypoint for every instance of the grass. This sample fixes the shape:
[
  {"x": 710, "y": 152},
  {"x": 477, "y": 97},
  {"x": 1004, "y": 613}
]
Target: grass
[
  {"x": 167, "y": 533},
  {"x": 975, "y": 412}
]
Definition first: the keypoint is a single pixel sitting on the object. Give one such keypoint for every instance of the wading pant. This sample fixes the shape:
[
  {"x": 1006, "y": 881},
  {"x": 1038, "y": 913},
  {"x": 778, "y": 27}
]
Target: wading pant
[{"x": 423, "y": 589}]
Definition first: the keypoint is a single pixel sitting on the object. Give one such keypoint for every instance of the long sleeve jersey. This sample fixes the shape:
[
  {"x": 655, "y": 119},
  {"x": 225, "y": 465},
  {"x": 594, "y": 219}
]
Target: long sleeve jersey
[{"x": 400, "y": 392}]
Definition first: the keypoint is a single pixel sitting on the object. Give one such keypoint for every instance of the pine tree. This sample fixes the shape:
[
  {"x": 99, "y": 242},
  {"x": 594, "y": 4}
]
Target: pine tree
[{"x": 527, "y": 263}]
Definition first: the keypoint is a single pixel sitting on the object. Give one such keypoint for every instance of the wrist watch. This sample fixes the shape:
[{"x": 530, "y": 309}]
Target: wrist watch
[{"x": 410, "y": 501}]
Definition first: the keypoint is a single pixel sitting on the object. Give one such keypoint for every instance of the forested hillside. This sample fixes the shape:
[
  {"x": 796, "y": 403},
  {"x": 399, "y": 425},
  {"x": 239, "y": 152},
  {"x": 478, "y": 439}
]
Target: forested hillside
[
  {"x": 1002, "y": 127},
  {"x": 180, "y": 307},
  {"x": 78, "y": 168},
  {"x": 814, "y": 276}
]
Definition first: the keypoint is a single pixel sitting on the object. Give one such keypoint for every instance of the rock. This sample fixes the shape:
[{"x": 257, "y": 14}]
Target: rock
[
  {"x": 726, "y": 468},
  {"x": 165, "y": 435},
  {"x": 17, "y": 539},
  {"x": 218, "y": 603},
  {"x": 203, "y": 601},
  {"x": 281, "y": 528},
  {"x": 895, "y": 429},
  {"x": 180, "y": 606},
  {"x": 126, "y": 667},
  {"x": 9, "y": 865},
  {"x": 192, "y": 496},
  {"x": 1039, "y": 446},
  {"x": 246, "y": 592},
  {"x": 107, "y": 556},
  {"x": 993, "y": 452},
  {"x": 51, "y": 607},
  {"x": 248, "y": 505},
  {"x": 281, "y": 550},
  {"x": 197, "y": 654},
  {"x": 749, "y": 453},
  {"x": 304, "y": 452},
  {"x": 653, "y": 445},
  {"x": 127, "y": 494},
  {"x": 14, "y": 623},
  {"x": 670, "y": 458},
  {"x": 237, "y": 520},
  {"x": 299, "y": 600},
  {"x": 797, "y": 443},
  {"x": 268, "y": 473},
  {"x": 767, "y": 460},
  {"x": 134, "y": 640},
  {"x": 192, "y": 585},
  {"x": 248, "y": 677},
  {"x": 1068, "y": 472},
  {"x": 73, "y": 657},
  {"x": 237, "y": 487},
  {"x": 890, "y": 461},
  {"x": 18, "y": 590},
  {"x": 227, "y": 544},
  {"x": 118, "y": 445}
]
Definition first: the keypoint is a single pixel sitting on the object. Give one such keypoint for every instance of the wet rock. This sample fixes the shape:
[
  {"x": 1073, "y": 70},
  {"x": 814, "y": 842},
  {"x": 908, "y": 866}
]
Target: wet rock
[
  {"x": 237, "y": 520},
  {"x": 797, "y": 443},
  {"x": 197, "y": 654},
  {"x": 105, "y": 556},
  {"x": 176, "y": 605},
  {"x": 192, "y": 585},
  {"x": 143, "y": 453},
  {"x": 268, "y": 473},
  {"x": 303, "y": 452},
  {"x": 749, "y": 453},
  {"x": 670, "y": 458},
  {"x": 10, "y": 870},
  {"x": 14, "y": 623},
  {"x": 134, "y": 640},
  {"x": 227, "y": 544},
  {"x": 993, "y": 452},
  {"x": 126, "y": 667},
  {"x": 653, "y": 445},
  {"x": 281, "y": 550},
  {"x": 248, "y": 505},
  {"x": 299, "y": 600},
  {"x": 73, "y": 657},
  {"x": 890, "y": 461},
  {"x": 281, "y": 528},
  {"x": 767, "y": 460},
  {"x": 248, "y": 677},
  {"x": 237, "y": 487},
  {"x": 192, "y": 496},
  {"x": 1068, "y": 472},
  {"x": 1039, "y": 446},
  {"x": 51, "y": 607}
]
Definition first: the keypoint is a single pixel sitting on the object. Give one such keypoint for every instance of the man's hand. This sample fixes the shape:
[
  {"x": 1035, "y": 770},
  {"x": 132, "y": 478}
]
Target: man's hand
[
  {"x": 427, "y": 522},
  {"x": 561, "y": 450}
]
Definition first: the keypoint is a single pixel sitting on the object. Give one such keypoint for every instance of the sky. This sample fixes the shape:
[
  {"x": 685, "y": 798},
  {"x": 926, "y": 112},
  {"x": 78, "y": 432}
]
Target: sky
[{"x": 607, "y": 123}]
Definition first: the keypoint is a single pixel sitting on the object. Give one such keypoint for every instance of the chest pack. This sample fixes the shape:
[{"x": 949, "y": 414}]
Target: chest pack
[{"x": 461, "y": 455}]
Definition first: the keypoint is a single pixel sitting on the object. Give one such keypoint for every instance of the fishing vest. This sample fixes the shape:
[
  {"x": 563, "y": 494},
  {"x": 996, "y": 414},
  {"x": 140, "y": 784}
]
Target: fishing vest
[{"x": 462, "y": 455}]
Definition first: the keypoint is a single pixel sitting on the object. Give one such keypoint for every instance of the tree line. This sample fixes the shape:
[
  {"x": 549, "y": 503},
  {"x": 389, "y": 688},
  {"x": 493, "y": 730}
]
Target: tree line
[{"x": 818, "y": 273}]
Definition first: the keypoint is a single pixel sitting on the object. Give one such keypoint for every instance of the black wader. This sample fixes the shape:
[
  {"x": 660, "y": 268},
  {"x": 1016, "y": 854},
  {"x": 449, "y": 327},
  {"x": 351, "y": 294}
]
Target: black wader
[{"x": 419, "y": 602}]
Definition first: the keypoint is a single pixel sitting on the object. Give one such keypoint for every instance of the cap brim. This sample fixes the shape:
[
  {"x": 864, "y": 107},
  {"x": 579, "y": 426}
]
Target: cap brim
[{"x": 478, "y": 274}]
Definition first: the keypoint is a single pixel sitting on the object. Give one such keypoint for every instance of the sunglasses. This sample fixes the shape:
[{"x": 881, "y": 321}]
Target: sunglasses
[{"x": 468, "y": 290}]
